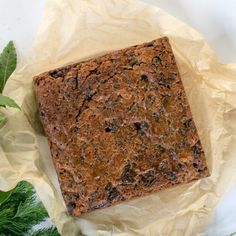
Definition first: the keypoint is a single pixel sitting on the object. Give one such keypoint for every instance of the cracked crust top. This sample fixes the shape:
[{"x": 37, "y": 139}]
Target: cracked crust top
[{"x": 119, "y": 126}]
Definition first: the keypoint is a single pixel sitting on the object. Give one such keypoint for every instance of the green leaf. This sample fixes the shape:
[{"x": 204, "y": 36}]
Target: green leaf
[
  {"x": 233, "y": 234},
  {"x": 3, "y": 120},
  {"x": 8, "y": 62},
  {"x": 21, "y": 210},
  {"x": 31, "y": 208},
  {"x": 4, "y": 196},
  {"x": 6, "y": 101}
]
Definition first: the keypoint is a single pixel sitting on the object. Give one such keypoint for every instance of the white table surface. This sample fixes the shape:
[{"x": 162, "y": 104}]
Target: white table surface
[{"x": 215, "y": 19}]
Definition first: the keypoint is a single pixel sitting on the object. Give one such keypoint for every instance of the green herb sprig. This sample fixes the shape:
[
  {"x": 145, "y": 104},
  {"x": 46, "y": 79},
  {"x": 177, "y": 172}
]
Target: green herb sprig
[
  {"x": 20, "y": 210},
  {"x": 8, "y": 61}
]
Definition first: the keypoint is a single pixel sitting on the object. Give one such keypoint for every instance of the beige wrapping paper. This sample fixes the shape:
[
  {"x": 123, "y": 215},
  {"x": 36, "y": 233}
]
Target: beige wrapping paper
[{"x": 73, "y": 30}]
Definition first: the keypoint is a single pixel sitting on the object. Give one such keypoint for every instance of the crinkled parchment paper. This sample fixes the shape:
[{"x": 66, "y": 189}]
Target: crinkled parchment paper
[{"x": 73, "y": 30}]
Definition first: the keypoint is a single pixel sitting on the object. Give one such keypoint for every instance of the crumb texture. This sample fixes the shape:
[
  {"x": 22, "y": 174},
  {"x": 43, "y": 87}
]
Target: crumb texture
[{"x": 119, "y": 126}]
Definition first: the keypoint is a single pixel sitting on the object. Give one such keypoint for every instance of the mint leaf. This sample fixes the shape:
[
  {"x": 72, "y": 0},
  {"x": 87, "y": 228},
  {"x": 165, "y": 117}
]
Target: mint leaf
[
  {"x": 6, "y": 101},
  {"x": 7, "y": 63}
]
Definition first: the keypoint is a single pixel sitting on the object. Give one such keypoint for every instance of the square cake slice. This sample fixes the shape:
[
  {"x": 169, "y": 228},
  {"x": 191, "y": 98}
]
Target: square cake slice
[{"x": 119, "y": 126}]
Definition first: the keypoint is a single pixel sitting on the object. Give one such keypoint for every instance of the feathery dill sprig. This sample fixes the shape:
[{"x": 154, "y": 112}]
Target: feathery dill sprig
[{"x": 20, "y": 210}]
